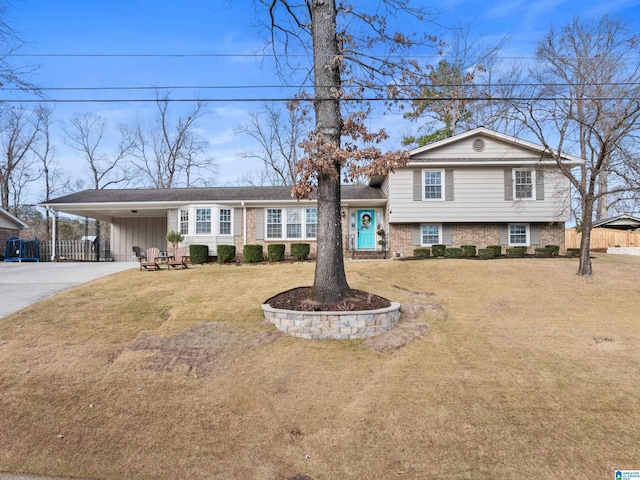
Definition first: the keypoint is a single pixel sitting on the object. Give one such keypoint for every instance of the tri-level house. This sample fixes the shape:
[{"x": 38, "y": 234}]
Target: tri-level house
[{"x": 478, "y": 188}]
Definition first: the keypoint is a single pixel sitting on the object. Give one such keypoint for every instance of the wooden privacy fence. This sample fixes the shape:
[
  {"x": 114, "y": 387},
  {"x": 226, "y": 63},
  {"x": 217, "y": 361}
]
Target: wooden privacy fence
[
  {"x": 74, "y": 250},
  {"x": 603, "y": 238}
]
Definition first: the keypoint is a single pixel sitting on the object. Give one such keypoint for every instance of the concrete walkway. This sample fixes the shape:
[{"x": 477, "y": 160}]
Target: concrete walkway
[{"x": 23, "y": 284}]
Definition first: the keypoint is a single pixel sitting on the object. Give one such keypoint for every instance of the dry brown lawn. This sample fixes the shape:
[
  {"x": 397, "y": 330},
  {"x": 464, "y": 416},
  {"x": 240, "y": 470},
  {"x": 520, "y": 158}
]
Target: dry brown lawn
[{"x": 525, "y": 371}]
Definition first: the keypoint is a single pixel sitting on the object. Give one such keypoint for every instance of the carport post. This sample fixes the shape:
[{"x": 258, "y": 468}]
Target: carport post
[{"x": 54, "y": 217}]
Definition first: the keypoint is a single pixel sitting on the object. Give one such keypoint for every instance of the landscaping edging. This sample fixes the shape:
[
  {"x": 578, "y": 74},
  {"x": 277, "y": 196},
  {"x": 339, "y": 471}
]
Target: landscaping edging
[
  {"x": 623, "y": 250},
  {"x": 333, "y": 325}
]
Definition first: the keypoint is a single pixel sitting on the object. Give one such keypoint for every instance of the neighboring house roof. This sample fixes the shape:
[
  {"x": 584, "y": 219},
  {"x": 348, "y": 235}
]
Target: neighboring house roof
[
  {"x": 440, "y": 152},
  {"x": 621, "y": 222},
  {"x": 8, "y": 220}
]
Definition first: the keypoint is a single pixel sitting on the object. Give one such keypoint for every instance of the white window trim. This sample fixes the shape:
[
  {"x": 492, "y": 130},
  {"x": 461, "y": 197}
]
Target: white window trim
[
  {"x": 283, "y": 236},
  {"x": 215, "y": 220},
  {"x": 442, "y": 185},
  {"x": 439, "y": 225},
  {"x": 212, "y": 212},
  {"x": 528, "y": 230},
  {"x": 220, "y": 234},
  {"x": 533, "y": 184}
]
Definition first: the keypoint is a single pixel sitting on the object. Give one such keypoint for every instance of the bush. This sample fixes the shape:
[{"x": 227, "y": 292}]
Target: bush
[
  {"x": 453, "y": 253},
  {"x": 545, "y": 252},
  {"x": 438, "y": 250},
  {"x": 275, "y": 252},
  {"x": 252, "y": 253},
  {"x": 226, "y": 253},
  {"x": 516, "y": 252},
  {"x": 174, "y": 238},
  {"x": 486, "y": 253},
  {"x": 421, "y": 252},
  {"x": 468, "y": 251},
  {"x": 199, "y": 253},
  {"x": 573, "y": 252},
  {"x": 300, "y": 251},
  {"x": 497, "y": 250},
  {"x": 555, "y": 249}
]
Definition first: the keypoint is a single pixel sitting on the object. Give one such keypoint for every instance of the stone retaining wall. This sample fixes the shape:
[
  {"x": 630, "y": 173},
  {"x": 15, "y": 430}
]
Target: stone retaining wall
[{"x": 333, "y": 325}]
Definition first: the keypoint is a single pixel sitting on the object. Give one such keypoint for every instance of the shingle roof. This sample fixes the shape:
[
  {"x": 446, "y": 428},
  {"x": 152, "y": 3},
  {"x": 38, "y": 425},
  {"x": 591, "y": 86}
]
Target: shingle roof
[{"x": 208, "y": 194}]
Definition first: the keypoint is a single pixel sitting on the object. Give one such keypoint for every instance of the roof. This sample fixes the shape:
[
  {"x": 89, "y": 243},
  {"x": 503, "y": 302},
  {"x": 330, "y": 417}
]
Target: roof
[
  {"x": 13, "y": 219},
  {"x": 621, "y": 222}
]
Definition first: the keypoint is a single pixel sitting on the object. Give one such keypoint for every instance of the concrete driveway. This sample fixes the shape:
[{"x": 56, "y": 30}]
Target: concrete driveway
[{"x": 22, "y": 284}]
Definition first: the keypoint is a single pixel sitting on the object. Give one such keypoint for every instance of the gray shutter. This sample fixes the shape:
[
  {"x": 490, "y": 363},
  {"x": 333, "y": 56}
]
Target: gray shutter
[
  {"x": 237, "y": 221},
  {"x": 508, "y": 184},
  {"x": 417, "y": 186},
  {"x": 172, "y": 220},
  {"x": 259, "y": 223},
  {"x": 446, "y": 234},
  {"x": 534, "y": 234},
  {"x": 415, "y": 235},
  {"x": 539, "y": 185},
  {"x": 504, "y": 234},
  {"x": 448, "y": 185}
]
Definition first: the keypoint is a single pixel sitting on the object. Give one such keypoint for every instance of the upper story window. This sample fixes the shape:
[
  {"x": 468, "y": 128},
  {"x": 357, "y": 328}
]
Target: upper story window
[
  {"x": 203, "y": 221},
  {"x": 184, "y": 222},
  {"x": 433, "y": 181},
  {"x": 225, "y": 221},
  {"x": 291, "y": 223},
  {"x": 523, "y": 182}
]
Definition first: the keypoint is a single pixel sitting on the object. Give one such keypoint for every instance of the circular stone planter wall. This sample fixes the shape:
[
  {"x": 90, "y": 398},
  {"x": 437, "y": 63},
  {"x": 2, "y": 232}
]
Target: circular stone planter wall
[{"x": 333, "y": 325}]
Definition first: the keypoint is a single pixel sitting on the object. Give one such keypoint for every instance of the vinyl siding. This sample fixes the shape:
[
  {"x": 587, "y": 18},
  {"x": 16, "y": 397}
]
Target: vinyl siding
[{"x": 479, "y": 197}]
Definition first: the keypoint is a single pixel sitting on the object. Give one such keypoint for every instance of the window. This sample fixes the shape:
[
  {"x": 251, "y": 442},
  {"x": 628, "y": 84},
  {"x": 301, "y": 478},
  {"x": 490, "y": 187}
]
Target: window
[
  {"x": 431, "y": 234},
  {"x": 294, "y": 223},
  {"x": 203, "y": 221},
  {"x": 312, "y": 222},
  {"x": 523, "y": 184},
  {"x": 274, "y": 223},
  {"x": 518, "y": 234},
  {"x": 225, "y": 221},
  {"x": 184, "y": 222},
  {"x": 433, "y": 186}
]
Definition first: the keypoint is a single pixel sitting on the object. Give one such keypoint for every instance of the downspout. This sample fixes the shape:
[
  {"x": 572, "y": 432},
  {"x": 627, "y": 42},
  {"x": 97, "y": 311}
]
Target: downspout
[
  {"x": 244, "y": 224},
  {"x": 53, "y": 215}
]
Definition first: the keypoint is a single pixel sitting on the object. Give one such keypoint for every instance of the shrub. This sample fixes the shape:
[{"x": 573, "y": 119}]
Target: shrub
[
  {"x": 545, "y": 252},
  {"x": 252, "y": 253},
  {"x": 300, "y": 251},
  {"x": 174, "y": 238},
  {"x": 275, "y": 252},
  {"x": 453, "y": 253},
  {"x": 497, "y": 250},
  {"x": 421, "y": 252},
  {"x": 573, "y": 252},
  {"x": 486, "y": 253},
  {"x": 226, "y": 253},
  {"x": 555, "y": 249},
  {"x": 516, "y": 252},
  {"x": 468, "y": 250},
  {"x": 199, "y": 253},
  {"x": 438, "y": 250}
]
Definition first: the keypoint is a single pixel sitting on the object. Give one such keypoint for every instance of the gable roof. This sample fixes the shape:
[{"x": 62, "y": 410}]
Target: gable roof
[
  {"x": 621, "y": 222},
  {"x": 520, "y": 151},
  {"x": 12, "y": 219}
]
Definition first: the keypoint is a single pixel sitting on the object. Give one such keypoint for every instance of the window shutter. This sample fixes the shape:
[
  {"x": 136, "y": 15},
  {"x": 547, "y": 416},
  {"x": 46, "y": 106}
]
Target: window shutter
[
  {"x": 417, "y": 185},
  {"x": 259, "y": 223},
  {"x": 534, "y": 234},
  {"x": 446, "y": 234},
  {"x": 504, "y": 234},
  {"x": 172, "y": 219},
  {"x": 237, "y": 221},
  {"x": 539, "y": 185},
  {"x": 508, "y": 184},
  {"x": 415, "y": 235},
  {"x": 448, "y": 185}
]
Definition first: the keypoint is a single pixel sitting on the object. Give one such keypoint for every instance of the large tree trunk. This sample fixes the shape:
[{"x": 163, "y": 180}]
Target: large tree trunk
[
  {"x": 330, "y": 283},
  {"x": 584, "y": 268}
]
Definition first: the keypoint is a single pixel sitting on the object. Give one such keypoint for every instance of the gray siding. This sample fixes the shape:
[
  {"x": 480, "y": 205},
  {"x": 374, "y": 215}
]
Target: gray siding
[{"x": 145, "y": 232}]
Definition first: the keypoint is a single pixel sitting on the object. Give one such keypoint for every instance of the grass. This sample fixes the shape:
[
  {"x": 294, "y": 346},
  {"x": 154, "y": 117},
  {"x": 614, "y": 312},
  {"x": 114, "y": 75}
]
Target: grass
[{"x": 533, "y": 372}]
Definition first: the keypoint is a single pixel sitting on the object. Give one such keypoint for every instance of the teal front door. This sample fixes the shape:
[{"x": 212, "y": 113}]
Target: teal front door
[{"x": 366, "y": 230}]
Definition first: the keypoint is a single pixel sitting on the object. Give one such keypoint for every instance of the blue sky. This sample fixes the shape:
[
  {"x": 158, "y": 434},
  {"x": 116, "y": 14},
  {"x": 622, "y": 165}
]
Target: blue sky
[{"x": 191, "y": 27}]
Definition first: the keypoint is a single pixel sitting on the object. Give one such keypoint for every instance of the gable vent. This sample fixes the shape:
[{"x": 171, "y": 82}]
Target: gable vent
[{"x": 478, "y": 145}]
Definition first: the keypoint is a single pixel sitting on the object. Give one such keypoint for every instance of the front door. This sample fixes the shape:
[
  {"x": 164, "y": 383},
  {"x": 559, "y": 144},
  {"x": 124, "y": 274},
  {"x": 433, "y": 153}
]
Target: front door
[{"x": 366, "y": 230}]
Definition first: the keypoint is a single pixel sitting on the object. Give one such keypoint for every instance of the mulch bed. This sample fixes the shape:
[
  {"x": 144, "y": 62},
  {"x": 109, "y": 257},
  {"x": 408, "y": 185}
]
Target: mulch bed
[{"x": 298, "y": 299}]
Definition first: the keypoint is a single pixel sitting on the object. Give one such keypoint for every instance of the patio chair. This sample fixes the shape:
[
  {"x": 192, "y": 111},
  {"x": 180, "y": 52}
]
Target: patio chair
[
  {"x": 150, "y": 262},
  {"x": 180, "y": 258}
]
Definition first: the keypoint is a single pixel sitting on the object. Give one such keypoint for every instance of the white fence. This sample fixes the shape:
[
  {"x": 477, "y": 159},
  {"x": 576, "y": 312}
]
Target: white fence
[{"x": 74, "y": 250}]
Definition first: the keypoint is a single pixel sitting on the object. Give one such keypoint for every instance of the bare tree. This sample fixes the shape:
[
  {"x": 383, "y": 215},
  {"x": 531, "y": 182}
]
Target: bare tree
[
  {"x": 355, "y": 51},
  {"x": 11, "y": 74},
  {"x": 166, "y": 150},
  {"x": 19, "y": 130},
  {"x": 587, "y": 102},
  {"x": 85, "y": 134},
  {"x": 278, "y": 136}
]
